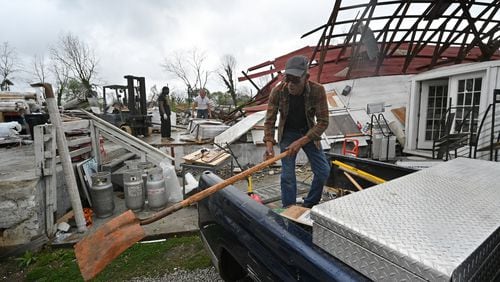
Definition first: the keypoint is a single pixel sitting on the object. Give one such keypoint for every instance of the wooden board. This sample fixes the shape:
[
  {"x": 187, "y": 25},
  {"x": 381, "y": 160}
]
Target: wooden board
[
  {"x": 10, "y": 140},
  {"x": 298, "y": 214},
  {"x": 212, "y": 157},
  {"x": 331, "y": 101},
  {"x": 400, "y": 114}
]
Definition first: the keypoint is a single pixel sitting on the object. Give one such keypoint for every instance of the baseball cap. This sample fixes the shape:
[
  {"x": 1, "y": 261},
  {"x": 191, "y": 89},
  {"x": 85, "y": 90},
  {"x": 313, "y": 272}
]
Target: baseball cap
[{"x": 297, "y": 66}]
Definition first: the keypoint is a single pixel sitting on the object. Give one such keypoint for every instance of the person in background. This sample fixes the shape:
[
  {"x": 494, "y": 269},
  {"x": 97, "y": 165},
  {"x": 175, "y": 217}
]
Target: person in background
[
  {"x": 202, "y": 105},
  {"x": 164, "y": 108},
  {"x": 304, "y": 117}
]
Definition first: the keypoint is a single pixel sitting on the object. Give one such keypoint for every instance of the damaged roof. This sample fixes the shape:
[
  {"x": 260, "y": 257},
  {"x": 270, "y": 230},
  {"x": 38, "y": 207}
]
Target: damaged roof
[{"x": 377, "y": 38}]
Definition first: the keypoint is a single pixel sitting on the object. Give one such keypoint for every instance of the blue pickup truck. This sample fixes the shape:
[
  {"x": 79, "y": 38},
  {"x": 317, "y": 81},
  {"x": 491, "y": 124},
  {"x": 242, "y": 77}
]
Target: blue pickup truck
[{"x": 248, "y": 241}]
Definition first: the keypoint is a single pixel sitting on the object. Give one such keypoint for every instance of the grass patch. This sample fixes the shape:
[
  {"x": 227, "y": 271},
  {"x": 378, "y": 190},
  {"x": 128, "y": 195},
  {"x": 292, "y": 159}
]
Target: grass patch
[{"x": 140, "y": 260}]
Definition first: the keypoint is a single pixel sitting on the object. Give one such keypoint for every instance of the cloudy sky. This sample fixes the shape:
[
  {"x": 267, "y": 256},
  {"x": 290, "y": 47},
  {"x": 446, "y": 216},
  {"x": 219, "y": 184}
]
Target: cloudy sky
[{"x": 134, "y": 37}]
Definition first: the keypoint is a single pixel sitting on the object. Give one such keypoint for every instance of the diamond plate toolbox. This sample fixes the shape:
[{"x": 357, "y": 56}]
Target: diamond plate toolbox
[{"x": 439, "y": 224}]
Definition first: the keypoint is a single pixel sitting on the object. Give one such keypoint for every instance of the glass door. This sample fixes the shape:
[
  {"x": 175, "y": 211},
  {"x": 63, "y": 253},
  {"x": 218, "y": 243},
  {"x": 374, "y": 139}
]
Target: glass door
[{"x": 433, "y": 105}]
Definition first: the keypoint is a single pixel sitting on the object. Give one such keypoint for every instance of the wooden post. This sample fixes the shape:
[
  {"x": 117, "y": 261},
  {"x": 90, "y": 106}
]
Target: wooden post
[
  {"x": 45, "y": 157},
  {"x": 354, "y": 182},
  {"x": 62, "y": 146}
]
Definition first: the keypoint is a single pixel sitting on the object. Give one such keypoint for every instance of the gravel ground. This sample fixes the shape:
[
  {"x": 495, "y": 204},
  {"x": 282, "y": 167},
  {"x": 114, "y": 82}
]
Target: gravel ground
[{"x": 204, "y": 274}]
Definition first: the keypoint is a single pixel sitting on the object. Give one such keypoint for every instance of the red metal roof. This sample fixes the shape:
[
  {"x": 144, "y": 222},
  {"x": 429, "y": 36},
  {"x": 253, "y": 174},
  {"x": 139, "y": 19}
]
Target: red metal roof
[{"x": 364, "y": 68}]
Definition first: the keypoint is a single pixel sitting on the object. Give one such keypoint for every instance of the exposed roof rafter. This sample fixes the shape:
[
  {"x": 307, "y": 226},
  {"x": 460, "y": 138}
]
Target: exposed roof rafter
[{"x": 415, "y": 24}]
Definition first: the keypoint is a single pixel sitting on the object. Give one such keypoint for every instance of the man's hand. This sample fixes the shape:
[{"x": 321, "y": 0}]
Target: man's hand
[
  {"x": 165, "y": 116},
  {"x": 269, "y": 153},
  {"x": 294, "y": 148}
]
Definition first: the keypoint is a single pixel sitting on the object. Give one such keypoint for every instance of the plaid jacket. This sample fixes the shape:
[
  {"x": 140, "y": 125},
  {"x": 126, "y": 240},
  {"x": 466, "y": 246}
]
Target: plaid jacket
[{"x": 316, "y": 106}]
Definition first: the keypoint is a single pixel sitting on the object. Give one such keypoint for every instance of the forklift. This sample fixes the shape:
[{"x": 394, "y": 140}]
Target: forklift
[{"x": 128, "y": 109}]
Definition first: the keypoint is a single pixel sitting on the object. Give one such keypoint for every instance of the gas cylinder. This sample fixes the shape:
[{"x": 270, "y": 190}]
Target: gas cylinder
[
  {"x": 157, "y": 197},
  {"x": 132, "y": 164},
  {"x": 133, "y": 189},
  {"x": 145, "y": 167},
  {"x": 101, "y": 193}
]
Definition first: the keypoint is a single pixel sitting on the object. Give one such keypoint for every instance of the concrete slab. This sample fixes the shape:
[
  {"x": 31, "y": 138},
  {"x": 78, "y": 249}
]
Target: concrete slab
[
  {"x": 17, "y": 163},
  {"x": 182, "y": 222}
]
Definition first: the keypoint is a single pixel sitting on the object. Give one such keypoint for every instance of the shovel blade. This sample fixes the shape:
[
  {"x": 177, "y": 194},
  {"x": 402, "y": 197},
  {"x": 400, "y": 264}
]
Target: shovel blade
[{"x": 97, "y": 250}]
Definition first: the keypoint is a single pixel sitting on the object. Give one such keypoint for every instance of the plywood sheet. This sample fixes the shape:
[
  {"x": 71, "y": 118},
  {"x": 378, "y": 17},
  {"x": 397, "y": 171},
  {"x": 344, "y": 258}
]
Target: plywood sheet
[
  {"x": 298, "y": 214},
  {"x": 400, "y": 114},
  {"x": 211, "y": 157},
  {"x": 330, "y": 98}
]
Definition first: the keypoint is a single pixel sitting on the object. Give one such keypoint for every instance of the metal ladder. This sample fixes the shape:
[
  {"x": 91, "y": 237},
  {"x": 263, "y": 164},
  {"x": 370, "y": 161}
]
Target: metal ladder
[{"x": 379, "y": 124}]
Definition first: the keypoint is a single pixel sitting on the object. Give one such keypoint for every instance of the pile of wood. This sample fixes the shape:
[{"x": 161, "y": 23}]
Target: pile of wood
[{"x": 14, "y": 102}]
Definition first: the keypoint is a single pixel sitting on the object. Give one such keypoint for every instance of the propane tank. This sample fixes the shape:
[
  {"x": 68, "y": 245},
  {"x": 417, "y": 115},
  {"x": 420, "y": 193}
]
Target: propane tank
[
  {"x": 157, "y": 197},
  {"x": 132, "y": 164},
  {"x": 101, "y": 193},
  {"x": 145, "y": 167},
  {"x": 133, "y": 189}
]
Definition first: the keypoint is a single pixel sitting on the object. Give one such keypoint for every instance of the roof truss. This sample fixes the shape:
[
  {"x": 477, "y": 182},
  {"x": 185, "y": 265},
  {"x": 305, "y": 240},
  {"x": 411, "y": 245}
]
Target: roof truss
[{"x": 373, "y": 31}]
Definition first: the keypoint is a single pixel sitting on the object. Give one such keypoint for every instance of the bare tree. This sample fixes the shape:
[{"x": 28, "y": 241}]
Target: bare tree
[
  {"x": 78, "y": 58},
  {"x": 62, "y": 78},
  {"x": 154, "y": 95},
  {"x": 9, "y": 64},
  {"x": 226, "y": 74},
  {"x": 196, "y": 63},
  {"x": 39, "y": 66},
  {"x": 188, "y": 67}
]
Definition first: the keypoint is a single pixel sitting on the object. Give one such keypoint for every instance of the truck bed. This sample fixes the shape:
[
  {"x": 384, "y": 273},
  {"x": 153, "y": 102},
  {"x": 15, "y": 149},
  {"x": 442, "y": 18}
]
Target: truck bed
[{"x": 248, "y": 240}]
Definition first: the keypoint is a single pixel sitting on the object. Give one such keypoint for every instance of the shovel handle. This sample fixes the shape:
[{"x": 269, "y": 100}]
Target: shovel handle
[{"x": 209, "y": 191}]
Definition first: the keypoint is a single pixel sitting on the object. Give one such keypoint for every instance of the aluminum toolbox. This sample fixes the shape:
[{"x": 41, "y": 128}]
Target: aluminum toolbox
[{"x": 438, "y": 224}]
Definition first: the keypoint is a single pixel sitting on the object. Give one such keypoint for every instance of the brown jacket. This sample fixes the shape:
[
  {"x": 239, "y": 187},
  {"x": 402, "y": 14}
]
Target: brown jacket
[{"x": 316, "y": 107}]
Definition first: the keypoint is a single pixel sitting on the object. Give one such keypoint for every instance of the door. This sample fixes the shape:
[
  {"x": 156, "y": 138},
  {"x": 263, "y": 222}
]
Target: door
[
  {"x": 466, "y": 91},
  {"x": 433, "y": 105}
]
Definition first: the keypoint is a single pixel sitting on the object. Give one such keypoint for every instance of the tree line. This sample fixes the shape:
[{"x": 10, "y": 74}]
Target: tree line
[{"x": 72, "y": 69}]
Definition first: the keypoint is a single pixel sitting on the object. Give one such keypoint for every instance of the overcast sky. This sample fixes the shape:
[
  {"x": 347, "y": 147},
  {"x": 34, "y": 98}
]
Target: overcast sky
[{"x": 134, "y": 37}]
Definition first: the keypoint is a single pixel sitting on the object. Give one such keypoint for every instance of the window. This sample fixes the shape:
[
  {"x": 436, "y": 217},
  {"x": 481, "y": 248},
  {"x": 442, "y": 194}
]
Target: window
[
  {"x": 468, "y": 95},
  {"x": 436, "y": 107}
]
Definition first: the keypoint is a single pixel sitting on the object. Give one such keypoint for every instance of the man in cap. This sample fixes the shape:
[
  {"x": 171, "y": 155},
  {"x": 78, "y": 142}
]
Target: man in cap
[
  {"x": 165, "y": 114},
  {"x": 303, "y": 119}
]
